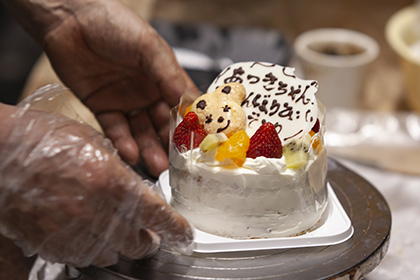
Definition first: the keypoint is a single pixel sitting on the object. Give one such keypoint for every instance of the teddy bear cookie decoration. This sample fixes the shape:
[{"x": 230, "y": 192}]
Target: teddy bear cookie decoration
[{"x": 220, "y": 111}]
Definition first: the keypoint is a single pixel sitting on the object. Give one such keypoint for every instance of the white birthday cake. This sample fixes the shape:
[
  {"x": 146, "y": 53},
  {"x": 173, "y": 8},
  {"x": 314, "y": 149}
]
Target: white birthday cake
[{"x": 247, "y": 158}]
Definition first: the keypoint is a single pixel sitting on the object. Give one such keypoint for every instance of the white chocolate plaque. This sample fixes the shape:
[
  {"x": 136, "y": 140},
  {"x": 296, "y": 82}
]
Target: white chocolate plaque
[{"x": 273, "y": 94}]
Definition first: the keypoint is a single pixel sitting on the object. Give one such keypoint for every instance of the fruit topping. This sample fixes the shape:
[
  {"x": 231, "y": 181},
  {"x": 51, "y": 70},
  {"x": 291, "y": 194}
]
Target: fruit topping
[
  {"x": 265, "y": 143},
  {"x": 212, "y": 141},
  {"x": 296, "y": 153},
  {"x": 315, "y": 128},
  {"x": 188, "y": 129},
  {"x": 187, "y": 110},
  {"x": 316, "y": 141},
  {"x": 234, "y": 148}
]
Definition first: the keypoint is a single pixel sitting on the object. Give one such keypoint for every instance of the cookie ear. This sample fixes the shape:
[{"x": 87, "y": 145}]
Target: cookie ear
[
  {"x": 234, "y": 91},
  {"x": 200, "y": 103},
  {"x": 202, "y": 106}
]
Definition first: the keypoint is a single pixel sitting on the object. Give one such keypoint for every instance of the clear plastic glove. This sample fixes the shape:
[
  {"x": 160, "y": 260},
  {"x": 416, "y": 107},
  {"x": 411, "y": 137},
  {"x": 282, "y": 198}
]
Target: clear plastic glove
[{"x": 66, "y": 195}]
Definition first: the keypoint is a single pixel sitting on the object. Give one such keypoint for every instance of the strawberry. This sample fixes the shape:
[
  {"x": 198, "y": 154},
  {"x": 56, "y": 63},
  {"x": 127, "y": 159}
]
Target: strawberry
[
  {"x": 183, "y": 132},
  {"x": 265, "y": 143},
  {"x": 316, "y": 126}
]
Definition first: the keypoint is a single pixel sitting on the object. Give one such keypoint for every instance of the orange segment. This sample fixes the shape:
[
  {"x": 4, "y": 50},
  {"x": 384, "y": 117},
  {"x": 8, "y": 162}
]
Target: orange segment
[
  {"x": 234, "y": 148},
  {"x": 187, "y": 110},
  {"x": 316, "y": 141}
]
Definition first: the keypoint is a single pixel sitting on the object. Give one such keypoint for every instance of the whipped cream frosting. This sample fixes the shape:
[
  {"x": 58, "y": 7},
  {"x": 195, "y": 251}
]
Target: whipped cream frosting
[{"x": 261, "y": 199}]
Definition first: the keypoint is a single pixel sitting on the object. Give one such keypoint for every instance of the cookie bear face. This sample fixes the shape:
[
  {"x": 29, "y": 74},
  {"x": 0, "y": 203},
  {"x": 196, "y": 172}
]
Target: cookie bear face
[{"x": 221, "y": 111}]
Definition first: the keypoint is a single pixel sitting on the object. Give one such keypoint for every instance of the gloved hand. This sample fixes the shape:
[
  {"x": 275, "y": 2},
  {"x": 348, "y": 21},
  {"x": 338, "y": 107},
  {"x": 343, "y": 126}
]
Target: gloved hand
[{"x": 66, "y": 195}]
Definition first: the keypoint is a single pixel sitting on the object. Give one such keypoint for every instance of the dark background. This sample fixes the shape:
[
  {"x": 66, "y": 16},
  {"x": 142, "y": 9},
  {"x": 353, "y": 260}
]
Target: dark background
[{"x": 18, "y": 53}]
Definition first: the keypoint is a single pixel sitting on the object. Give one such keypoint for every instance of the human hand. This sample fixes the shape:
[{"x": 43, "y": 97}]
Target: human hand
[
  {"x": 67, "y": 196},
  {"x": 117, "y": 64}
]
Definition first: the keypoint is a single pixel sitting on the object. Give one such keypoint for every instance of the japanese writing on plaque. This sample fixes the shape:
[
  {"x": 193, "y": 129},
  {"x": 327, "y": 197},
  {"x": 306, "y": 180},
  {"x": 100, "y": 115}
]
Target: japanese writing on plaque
[{"x": 274, "y": 94}]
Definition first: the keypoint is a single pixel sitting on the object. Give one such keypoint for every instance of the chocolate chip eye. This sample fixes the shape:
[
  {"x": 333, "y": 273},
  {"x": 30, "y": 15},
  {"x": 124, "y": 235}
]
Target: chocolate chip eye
[
  {"x": 201, "y": 104},
  {"x": 220, "y": 119},
  {"x": 226, "y": 108},
  {"x": 209, "y": 118},
  {"x": 226, "y": 89}
]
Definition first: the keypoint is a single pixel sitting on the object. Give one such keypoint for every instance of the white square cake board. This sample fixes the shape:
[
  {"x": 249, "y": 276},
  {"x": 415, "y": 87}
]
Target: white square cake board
[{"x": 336, "y": 229}]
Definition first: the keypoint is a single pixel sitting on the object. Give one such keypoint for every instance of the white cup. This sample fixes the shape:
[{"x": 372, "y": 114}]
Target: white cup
[{"x": 338, "y": 59}]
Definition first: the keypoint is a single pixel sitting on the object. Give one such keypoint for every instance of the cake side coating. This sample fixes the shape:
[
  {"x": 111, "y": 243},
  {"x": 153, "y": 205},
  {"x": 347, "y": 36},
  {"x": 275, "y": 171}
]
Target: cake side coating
[{"x": 247, "y": 203}]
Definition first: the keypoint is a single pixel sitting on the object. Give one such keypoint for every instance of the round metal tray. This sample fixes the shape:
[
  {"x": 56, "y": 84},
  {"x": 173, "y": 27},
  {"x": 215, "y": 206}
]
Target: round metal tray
[{"x": 354, "y": 258}]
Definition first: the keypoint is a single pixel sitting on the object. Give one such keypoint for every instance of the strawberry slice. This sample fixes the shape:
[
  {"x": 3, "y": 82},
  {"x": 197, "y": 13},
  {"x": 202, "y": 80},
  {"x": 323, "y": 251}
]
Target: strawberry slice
[
  {"x": 189, "y": 127},
  {"x": 265, "y": 143}
]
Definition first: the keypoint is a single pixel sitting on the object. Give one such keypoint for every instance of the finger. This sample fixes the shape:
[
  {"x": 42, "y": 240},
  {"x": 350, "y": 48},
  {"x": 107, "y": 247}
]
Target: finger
[
  {"x": 106, "y": 257},
  {"x": 160, "y": 116},
  {"x": 141, "y": 244},
  {"x": 143, "y": 208},
  {"x": 173, "y": 91},
  {"x": 160, "y": 63},
  {"x": 122, "y": 232},
  {"x": 151, "y": 151},
  {"x": 116, "y": 127},
  {"x": 173, "y": 228},
  {"x": 190, "y": 89}
]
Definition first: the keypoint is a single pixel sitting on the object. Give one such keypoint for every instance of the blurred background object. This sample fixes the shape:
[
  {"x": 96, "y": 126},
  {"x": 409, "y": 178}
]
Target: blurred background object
[
  {"x": 221, "y": 46},
  {"x": 339, "y": 59},
  {"x": 384, "y": 87},
  {"x": 403, "y": 34},
  {"x": 383, "y": 90},
  {"x": 205, "y": 49},
  {"x": 388, "y": 141},
  {"x": 18, "y": 53}
]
